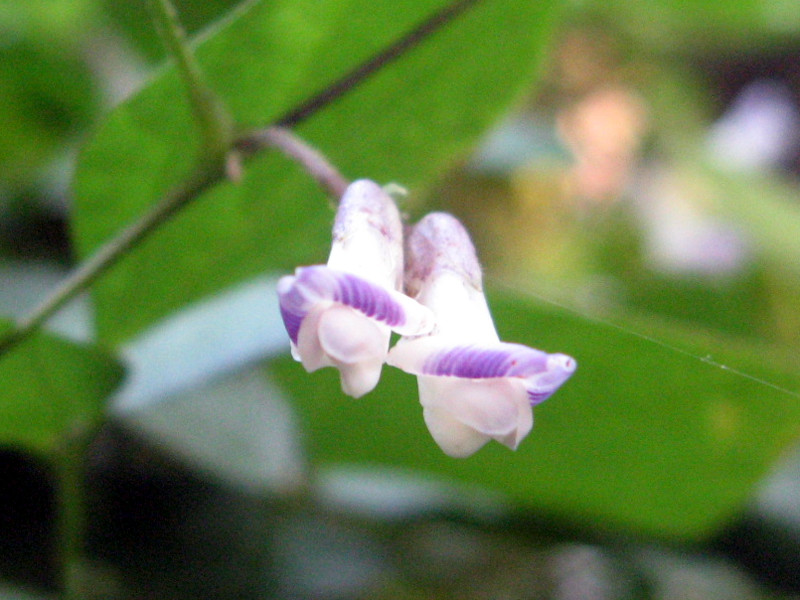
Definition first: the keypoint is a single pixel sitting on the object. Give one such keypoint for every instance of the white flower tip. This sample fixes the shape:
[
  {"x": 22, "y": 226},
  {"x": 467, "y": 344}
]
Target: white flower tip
[
  {"x": 368, "y": 235},
  {"x": 364, "y": 189},
  {"x": 417, "y": 319},
  {"x": 456, "y": 439},
  {"x": 558, "y": 368},
  {"x": 365, "y": 205},
  {"x": 561, "y": 363},
  {"x": 439, "y": 242},
  {"x": 360, "y": 378},
  {"x": 285, "y": 284}
]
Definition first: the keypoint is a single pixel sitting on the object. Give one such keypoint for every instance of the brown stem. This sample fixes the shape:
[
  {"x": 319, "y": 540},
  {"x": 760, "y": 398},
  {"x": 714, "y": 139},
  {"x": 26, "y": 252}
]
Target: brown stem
[{"x": 311, "y": 159}]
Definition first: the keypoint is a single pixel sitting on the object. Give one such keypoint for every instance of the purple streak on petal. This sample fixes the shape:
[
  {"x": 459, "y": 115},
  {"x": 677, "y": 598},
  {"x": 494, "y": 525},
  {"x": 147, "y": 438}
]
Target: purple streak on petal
[
  {"x": 541, "y": 386},
  {"x": 543, "y": 373},
  {"x": 292, "y": 323},
  {"x": 365, "y": 297},
  {"x": 480, "y": 362},
  {"x": 292, "y": 305},
  {"x": 311, "y": 285},
  {"x": 537, "y": 397}
]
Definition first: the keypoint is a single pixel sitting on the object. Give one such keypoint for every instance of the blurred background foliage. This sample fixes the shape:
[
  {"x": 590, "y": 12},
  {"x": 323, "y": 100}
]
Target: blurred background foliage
[{"x": 629, "y": 172}]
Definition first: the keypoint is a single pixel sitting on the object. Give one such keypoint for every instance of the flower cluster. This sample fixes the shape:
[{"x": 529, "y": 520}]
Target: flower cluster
[{"x": 472, "y": 386}]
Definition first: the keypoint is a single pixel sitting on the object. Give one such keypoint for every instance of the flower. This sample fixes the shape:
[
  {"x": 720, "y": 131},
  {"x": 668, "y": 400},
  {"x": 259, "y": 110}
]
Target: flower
[
  {"x": 472, "y": 386},
  {"x": 342, "y": 314}
]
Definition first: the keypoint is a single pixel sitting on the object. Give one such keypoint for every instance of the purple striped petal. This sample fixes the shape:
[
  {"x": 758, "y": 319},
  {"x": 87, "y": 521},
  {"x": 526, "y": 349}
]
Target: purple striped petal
[
  {"x": 541, "y": 386},
  {"x": 542, "y": 373},
  {"x": 317, "y": 284},
  {"x": 291, "y": 319},
  {"x": 478, "y": 362}
]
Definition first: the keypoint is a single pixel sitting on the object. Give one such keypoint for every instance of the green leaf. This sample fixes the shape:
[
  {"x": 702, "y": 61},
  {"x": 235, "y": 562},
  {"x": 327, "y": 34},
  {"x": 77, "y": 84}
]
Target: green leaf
[
  {"x": 49, "y": 385},
  {"x": 645, "y": 438},
  {"x": 405, "y": 124}
]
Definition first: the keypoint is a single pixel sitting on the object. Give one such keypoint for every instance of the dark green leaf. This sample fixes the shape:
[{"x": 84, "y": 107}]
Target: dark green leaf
[
  {"x": 49, "y": 385},
  {"x": 47, "y": 94}
]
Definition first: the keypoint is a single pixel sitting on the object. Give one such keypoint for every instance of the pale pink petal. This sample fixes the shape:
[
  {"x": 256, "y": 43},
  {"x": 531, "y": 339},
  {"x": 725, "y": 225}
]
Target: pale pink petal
[
  {"x": 348, "y": 337},
  {"x": 453, "y": 437},
  {"x": 361, "y": 377},
  {"x": 308, "y": 350},
  {"x": 489, "y": 408},
  {"x": 338, "y": 336},
  {"x": 524, "y": 422}
]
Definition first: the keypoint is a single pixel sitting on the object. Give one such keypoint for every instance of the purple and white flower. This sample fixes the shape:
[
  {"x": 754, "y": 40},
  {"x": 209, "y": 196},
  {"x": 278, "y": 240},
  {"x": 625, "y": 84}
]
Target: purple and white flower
[
  {"x": 472, "y": 386},
  {"x": 342, "y": 314}
]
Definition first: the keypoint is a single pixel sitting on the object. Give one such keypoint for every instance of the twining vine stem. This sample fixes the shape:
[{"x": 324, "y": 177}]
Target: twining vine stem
[
  {"x": 222, "y": 152},
  {"x": 215, "y": 123},
  {"x": 110, "y": 252}
]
